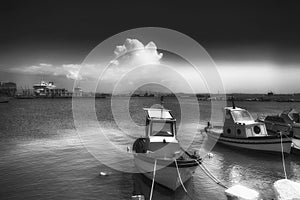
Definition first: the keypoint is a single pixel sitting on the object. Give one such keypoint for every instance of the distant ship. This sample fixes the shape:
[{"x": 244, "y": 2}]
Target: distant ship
[
  {"x": 49, "y": 90},
  {"x": 40, "y": 89}
]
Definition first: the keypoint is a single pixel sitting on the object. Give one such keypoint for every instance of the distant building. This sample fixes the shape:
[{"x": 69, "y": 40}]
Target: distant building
[
  {"x": 270, "y": 93},
  {"x": 77, "y": 92},
  {"x": 8, "y": 89}
]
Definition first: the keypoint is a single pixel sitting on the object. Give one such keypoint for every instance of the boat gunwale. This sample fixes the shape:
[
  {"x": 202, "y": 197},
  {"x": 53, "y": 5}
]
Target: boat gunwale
[
  {"x": 270, "y": 139},
  {"x": 180, "y": 163}
]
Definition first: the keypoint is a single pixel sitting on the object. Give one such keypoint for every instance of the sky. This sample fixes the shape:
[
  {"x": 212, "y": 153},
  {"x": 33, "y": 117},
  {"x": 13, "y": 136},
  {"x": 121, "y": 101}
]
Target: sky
[{"x": 256, "y": 45}]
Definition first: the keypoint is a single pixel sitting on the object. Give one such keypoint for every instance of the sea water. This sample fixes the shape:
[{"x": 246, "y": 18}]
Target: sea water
[{"x": 43, "y": 157}]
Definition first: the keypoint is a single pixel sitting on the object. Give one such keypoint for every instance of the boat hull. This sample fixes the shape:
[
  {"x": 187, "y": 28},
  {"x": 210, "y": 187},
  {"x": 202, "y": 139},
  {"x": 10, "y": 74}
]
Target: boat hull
[
  {"x": 166, "y": 173},
  {"x": 271, "y": 144},
  {"x": 295, "y": 146}
]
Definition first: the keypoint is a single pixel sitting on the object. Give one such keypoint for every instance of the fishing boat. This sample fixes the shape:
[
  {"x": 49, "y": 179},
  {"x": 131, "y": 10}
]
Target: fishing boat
[
  {"x": 159, "y": 155},
  {"x": 242, "y": 131},
  {"x": 288, "y": 123}
]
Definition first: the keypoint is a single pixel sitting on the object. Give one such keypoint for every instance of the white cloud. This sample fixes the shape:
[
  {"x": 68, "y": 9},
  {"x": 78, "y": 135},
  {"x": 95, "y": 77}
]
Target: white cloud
[
  {"x": 135, "y": 52},
  {"x": 68, "y": 70},
  {"x": 131, "y": 54},
  {"x": 114, "y": 62},
  {"x": 72, "y": 71},
  {"x": 129, "y": 45},
  {"x": 46, "y": 64},
  {"x": 37, "y": 69}
]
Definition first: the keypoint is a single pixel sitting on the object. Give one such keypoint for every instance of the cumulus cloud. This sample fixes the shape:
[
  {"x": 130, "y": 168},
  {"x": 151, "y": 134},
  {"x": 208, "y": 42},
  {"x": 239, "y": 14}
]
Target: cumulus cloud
[
  {"x": 134, "y": 51},
  {"x": 131, "y": 54}
]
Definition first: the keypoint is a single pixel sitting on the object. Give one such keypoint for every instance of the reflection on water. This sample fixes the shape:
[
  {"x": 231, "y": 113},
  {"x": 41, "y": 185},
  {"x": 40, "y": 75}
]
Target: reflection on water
[{"x": 42, "y": 157}]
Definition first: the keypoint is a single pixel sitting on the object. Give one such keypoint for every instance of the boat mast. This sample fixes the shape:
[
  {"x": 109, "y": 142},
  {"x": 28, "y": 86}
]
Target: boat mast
[{"x": 232, "y": 100}]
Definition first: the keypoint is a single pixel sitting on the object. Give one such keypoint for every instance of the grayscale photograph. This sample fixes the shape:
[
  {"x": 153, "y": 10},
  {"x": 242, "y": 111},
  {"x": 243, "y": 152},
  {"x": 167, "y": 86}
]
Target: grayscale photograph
[{"x": 149, "y": 100}]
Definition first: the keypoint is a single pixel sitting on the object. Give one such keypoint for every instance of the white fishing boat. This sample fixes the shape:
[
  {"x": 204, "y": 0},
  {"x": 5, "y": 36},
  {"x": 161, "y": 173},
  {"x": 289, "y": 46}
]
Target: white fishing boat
[
  {"x": 159, "y": 155},
  {"x": 288, "y": 123},
  {"x": 242, "y": 131}
]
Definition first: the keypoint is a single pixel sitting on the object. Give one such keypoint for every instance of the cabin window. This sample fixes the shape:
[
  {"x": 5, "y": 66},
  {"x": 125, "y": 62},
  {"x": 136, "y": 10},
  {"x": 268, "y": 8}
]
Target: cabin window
[
  {"x": 228, "y": 130},
  {"x": 227, "y": 116},
  {"x": 162, "y": 129},
  {"x": 239, "y": 131},
  {"x": 241, "y": 115}
]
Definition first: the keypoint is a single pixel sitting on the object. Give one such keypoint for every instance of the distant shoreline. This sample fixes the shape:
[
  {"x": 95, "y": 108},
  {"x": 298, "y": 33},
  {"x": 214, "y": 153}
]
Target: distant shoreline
[{"x": 200, "y": 97}]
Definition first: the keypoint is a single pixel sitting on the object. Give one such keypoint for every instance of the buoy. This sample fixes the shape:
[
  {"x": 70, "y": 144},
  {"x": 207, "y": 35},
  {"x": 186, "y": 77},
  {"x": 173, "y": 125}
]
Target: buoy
[
  {"x": 138, "y": 197},
  {"x": 242, "y": 193},
  {"x": 210, "y": 155},
  {"x": 287, "y": 190},
  {"x": 104, "y": 173}
]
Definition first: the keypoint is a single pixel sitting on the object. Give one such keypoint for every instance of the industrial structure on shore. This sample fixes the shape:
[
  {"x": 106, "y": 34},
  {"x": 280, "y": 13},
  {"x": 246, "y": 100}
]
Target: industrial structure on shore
[
  {"x": 8, "y": 89},
  {"x": 45, "y": 89}
]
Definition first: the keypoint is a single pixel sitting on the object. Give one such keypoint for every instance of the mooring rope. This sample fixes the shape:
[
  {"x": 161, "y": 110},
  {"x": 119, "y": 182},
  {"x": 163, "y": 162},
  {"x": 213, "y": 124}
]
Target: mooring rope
[
  {"x": 291, "y": 138},
  {"x": 282, "y": 156},
  {"x": 152, "y": 186},
  {"x": 179, "y": 176},
  {"x": 187, "y": 153},
  {"x": 206, "y": 171},
  {"x": 209, "y": 174},
  {"x": 181, "y": 180}
]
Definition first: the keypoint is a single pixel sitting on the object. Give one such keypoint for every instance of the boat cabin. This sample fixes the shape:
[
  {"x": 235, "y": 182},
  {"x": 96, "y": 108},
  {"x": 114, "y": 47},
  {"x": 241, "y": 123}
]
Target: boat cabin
[
  {"x": 161, "y": 132},
  {"x": 240, "y": 124}
]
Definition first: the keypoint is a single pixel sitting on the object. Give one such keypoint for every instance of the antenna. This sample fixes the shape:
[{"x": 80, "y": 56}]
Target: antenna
[
  {"x": 232, "y": 100},
  {"x": 162, "y": 101},
  {"x": 162, "y": 105}
]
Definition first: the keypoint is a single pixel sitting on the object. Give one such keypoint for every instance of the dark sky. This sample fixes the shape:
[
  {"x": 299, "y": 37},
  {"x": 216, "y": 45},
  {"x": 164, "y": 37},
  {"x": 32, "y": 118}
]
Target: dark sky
[{"x": 65, "y": 31}]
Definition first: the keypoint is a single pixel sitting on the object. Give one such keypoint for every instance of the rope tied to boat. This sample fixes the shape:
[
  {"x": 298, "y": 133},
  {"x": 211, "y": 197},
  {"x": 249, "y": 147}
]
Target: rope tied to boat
[
  {"x": 206, "y": 171},
  {"x": 210, "y": 175},
  {"x": 181, "y": 179},
  {"x": 188, "y": 154},
  {"x": 153, "y": 179},
  {"x": 180, "y": 176},
  {"x": 282, "y": 156},
  {"x": 288, "y": 136}
]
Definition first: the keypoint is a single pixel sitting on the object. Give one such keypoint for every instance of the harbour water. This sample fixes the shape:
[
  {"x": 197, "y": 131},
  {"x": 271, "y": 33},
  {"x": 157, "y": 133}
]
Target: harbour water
[{"x": 42, "y": 157}]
